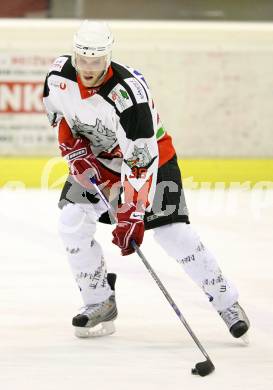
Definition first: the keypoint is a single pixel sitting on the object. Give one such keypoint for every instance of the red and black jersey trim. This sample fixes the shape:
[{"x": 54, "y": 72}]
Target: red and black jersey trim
[
  {"x": 68, "y": 72},
  {"x": 136, "y": 120}
]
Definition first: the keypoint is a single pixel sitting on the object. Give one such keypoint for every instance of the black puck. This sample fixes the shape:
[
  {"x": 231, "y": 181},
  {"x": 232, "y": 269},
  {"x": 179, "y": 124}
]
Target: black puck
[{"x": 203, "y": 368}]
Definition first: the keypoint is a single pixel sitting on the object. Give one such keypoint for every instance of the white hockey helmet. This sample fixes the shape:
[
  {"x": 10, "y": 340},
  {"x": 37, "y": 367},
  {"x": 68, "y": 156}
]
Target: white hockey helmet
[{"x": 93, "y": 39}]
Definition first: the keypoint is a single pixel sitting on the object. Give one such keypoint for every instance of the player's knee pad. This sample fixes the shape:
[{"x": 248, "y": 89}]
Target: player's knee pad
[
  {"x": 178, "y": 239},
  {"x": 77, "y": 222}
]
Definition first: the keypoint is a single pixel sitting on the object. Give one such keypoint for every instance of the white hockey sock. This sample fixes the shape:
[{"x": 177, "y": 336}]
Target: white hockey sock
[
  {"x": 77, "y": 227},
  {"x": 182, "y": 243}
]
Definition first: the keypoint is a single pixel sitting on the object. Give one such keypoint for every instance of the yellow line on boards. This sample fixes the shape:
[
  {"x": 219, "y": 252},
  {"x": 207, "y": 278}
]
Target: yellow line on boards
[
  {"x": 45, "y": 172},
  {"x": 32, "y": 172},
  {"x": 228, "y": 170}
]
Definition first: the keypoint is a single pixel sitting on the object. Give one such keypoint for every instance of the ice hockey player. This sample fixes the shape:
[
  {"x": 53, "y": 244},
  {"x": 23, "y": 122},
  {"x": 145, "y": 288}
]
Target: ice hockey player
[{"x": 108, "y": 128}]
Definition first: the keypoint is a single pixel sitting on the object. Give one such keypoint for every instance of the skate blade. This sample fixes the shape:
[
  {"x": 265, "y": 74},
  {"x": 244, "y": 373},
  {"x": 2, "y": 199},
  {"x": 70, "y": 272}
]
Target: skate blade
[
  {"x": 245, "y": 339},
  {"x": 102, "y": 329}
]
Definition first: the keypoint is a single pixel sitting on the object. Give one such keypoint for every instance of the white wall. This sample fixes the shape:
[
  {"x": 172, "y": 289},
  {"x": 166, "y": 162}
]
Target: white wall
[{"x": 212, "y": 82}]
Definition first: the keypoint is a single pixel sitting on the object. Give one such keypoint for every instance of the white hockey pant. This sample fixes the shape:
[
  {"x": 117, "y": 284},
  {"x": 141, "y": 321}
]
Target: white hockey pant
[
  {"x": 77, "y": 227},
  {"x": 181, "y": 242}
]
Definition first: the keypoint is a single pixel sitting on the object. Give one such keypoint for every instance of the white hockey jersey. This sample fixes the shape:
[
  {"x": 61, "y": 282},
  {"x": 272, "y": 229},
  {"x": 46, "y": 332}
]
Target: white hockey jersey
[{"x": 119, "y": 119}]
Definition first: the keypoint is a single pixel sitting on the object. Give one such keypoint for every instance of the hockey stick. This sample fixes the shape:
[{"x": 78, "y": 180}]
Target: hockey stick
[{"x": 202, "y": 368}]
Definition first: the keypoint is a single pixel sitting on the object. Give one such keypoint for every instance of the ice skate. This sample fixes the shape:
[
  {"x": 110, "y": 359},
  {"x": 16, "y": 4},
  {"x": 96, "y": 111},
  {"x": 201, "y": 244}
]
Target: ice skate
[
  {"x": 96, "y": 320},
  {"x": 237, "y": 321}
]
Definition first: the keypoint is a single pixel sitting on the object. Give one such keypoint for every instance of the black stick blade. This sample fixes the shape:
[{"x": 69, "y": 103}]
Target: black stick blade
[{"x": 203, "y": 368}]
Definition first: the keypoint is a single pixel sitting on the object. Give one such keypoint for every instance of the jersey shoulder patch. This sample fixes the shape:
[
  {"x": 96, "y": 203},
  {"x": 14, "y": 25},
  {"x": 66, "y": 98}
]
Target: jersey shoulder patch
[
  {"x": 128, "y": 91},
  {"x": 137, "y": 89},
  {"x": 63, "y": 67},
  {"x": 58, "y": 64},
  {"x": 120, "y": 97}
]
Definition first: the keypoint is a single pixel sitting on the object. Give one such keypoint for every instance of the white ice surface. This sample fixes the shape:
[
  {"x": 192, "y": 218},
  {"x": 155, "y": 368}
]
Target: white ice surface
[{"x": 151, "y": 349}]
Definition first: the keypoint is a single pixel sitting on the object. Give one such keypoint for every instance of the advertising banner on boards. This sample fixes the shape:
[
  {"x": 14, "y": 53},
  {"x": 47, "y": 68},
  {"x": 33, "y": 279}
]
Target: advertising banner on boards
[{"x": 24, "y": 128}]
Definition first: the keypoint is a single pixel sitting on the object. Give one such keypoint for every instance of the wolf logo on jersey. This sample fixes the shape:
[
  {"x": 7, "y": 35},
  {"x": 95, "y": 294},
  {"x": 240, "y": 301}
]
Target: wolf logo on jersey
[
  {"x": 140, "y": 161},
  {"x": 140, "y": 157},
  {"x": 98, "y": 134}
]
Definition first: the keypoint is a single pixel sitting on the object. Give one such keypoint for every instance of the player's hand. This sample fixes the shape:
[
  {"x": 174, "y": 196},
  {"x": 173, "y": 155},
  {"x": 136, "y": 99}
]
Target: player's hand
[
  {"x": 130, "y": 226},
  {"x": 82, "y": 162}
]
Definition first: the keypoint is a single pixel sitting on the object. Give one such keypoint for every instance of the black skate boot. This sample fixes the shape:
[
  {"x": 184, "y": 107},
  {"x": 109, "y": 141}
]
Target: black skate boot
[
  {"x": 97, "y": 319},
  {"x": 236, "y": 320}
]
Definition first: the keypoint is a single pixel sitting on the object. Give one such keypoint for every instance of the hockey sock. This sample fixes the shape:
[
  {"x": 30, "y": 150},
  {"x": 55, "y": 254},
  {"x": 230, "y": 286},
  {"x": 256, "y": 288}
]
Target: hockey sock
[
  {"x": 182, "y": 243},
  {"x": 77, "y": 228}
]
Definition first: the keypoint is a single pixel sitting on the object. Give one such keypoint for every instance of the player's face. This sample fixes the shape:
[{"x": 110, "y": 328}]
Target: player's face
[{"x": 90, "y": 69}]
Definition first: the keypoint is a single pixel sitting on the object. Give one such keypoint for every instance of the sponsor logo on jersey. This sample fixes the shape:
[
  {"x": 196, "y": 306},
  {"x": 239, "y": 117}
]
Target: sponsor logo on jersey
[
  {"x": 58, "y": 64},
  {"x": 57, "y": 84},
  {"x": 124, "y": 94},
  {"x": 137, "y": 89},
  {"x": 120, "y": 97},
  {"x": 138, "y": 74}
]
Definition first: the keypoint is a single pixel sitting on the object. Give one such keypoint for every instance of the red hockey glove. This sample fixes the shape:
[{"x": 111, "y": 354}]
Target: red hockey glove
[
  {"x": 130, "y": 226},
  {"x": 82, "y": 162}
]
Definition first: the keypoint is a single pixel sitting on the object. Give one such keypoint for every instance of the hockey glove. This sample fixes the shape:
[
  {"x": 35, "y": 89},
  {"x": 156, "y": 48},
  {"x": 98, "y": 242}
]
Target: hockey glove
[
  {"x": 130, "y": 226},
  {"x": 82, "y": 162}
]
